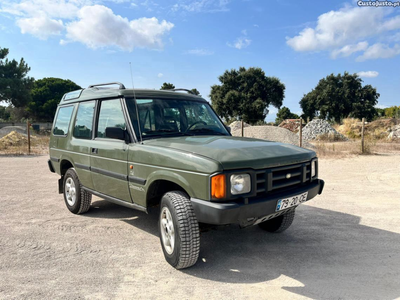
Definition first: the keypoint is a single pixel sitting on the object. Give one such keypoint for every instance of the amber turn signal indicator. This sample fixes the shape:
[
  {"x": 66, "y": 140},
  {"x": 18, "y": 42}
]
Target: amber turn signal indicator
[{"x": 218, "y": 186}]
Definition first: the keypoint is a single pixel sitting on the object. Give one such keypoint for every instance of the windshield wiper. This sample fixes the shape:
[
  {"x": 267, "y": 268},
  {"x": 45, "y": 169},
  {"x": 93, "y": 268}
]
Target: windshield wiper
[
  {"x": 206, "y": 131},
  {"x": 162, "y": 133}
]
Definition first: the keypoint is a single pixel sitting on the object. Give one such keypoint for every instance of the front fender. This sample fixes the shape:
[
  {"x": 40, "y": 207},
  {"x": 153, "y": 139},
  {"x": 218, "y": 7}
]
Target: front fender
[{"x": 170, "y": 176}]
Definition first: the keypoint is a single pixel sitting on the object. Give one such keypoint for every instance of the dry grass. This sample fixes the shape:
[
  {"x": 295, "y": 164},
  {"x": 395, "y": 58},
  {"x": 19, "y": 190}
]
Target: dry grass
[
  {"x": 376, "y": 130},
  {"x": 353, "y": 148},
  {"x": 17, "y": 144}
]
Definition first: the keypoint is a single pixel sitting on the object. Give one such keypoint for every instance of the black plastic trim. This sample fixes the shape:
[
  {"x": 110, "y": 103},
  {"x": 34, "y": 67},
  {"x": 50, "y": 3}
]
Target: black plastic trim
[
  {"x": 109, "y": 173},
  {"x": 240, "y": 213},
  {"x": 51, "y": 166},
  {"x": 116, "y": 200},
  {"x": 137, "y": 180},
  {"x": 83, "y": 167},
  {"x": 55, "y": 159},
  {"x": 121, "y": 86}
]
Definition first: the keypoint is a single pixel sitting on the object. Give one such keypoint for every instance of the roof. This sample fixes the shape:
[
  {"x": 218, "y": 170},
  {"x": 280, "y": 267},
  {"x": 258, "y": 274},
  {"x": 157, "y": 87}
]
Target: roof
[{"x": 95, "y": 92}]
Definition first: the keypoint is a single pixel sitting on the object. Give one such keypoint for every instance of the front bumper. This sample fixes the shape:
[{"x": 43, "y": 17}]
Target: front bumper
[{"x": 246, "y": 214}]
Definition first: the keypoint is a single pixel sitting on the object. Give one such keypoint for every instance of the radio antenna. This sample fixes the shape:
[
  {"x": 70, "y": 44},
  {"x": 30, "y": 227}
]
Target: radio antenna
[{"x": 137, "y": 109}]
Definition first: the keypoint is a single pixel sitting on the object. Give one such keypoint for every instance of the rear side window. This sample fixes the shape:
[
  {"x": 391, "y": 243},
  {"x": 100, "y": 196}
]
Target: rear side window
[
  {"x": 84, "y": 120},
  {"x": 63, "y": 120},
  {"x": 111, "y": 115}
]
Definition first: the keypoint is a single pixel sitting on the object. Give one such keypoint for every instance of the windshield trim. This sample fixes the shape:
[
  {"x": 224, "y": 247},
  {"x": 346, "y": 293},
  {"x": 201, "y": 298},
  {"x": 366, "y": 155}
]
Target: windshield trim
[{"x": 178, "y": 133}]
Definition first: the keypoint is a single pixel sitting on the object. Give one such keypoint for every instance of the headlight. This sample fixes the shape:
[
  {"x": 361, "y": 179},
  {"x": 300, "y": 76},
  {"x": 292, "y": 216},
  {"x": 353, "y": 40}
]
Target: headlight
[
  {"x": 240, "y": 184},
  {"x": 313, "y": 168}
]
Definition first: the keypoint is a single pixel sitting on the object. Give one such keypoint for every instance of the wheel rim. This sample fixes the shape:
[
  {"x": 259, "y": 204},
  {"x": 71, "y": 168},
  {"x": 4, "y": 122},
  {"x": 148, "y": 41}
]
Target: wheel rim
[
  {"x": 70, "y": 191},
  {"x": 167, "y": 230}
]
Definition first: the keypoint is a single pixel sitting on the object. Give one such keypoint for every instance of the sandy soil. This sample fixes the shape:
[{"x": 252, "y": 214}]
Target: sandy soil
[{"x": 343, "y": 244}]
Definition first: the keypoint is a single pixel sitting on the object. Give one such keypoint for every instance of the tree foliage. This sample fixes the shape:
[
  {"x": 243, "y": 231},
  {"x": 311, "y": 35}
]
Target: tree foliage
[
  {"x": 4, "y": 113},
  {"x": 167, "y": 86},
  {"x": 195, "y": 91},
  {"x": 170, "y": 86},
  {"x": 246, "y": 93},
  {"x": 392, "y": 112},
  {"x": 283, "y": 114},
  {"x": 340, "y": 96},
  {"x": 15, "y": 85},
  {"x": 46, "y": 94}
]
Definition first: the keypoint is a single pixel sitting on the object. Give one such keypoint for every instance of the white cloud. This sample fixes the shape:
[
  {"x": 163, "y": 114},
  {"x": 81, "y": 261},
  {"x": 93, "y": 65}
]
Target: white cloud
[
  {"x": 93, "y": 25},
  {"x": 379, "y": 50},
  {"x": 349, "y": 49},
  {"x": 210, "y": 6},
  {"x": 368, "y": 74},
  {"x": 381, "y": 106},
  {"x": 337, "y": 31},
  {"x": 240, "y": 43},
  {"x": 200, "y": 52},
  {"x": 160, "y": 75},
  {"x": 63, "y": 9},
  {"x": 99, "y": 27},
  {"x": 41, "y": 27}
]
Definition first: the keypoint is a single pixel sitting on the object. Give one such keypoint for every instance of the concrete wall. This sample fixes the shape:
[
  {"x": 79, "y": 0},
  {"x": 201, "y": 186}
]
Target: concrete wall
[{"x": 43, "y": 126}]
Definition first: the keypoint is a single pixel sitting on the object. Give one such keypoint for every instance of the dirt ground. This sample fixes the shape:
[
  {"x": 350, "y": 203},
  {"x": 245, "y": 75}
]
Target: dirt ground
[{"x": 343, "y": 244}]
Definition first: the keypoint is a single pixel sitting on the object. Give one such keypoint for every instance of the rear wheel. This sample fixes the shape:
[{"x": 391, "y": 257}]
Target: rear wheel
[
  {"x": 278, "y": 224},
  {"x": 77, "y": 200},
  {"x": 179, "y": 230}
]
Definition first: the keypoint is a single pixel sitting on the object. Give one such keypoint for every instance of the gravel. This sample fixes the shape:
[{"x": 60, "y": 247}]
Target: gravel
[
  {"x": 272, "y": 133},
  {"x": 238, "y": 125},
  {"x": 394, "y": 133},
  {"x": 343, "y": 244},
  {"x": 317, "y": 127},
  {"x": 6, "y": 130}
]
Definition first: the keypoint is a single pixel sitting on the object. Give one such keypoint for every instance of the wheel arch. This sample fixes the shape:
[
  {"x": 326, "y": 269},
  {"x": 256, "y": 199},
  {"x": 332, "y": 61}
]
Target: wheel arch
[
  {"x": 163, "y": 183},
  {"x": 65, "y": 164}
]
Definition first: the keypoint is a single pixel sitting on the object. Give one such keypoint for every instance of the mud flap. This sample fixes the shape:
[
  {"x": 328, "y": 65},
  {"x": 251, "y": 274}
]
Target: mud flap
[{"x": 61, "y": 185}]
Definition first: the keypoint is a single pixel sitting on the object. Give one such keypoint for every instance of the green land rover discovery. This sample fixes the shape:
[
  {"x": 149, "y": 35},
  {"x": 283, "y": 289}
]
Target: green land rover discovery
[{"x": 168, "y": 149}]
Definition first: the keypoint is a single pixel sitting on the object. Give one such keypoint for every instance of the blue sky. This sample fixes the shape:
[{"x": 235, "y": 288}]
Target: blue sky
[{"x": 191, "y": 42}]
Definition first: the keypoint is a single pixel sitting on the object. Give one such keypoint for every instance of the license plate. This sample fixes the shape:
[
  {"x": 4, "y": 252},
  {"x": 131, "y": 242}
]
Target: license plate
[{"x": 292, "y": 201}]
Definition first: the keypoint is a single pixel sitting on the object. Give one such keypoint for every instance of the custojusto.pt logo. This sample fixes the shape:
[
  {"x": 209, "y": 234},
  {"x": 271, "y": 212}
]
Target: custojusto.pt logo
[{"x": 379, "y": 3}]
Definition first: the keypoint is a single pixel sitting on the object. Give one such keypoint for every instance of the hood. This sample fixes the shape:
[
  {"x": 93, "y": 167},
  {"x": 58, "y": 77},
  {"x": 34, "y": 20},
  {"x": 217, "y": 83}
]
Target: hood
[{"x": 237, "y": 152}]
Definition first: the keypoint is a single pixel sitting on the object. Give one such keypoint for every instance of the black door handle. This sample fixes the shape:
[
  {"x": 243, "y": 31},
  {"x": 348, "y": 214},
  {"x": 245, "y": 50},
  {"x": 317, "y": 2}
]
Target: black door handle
[{"x": 95, "y": 150}]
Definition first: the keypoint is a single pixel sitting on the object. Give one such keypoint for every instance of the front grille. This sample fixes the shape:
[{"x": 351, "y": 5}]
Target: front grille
[{"x": 274, "y": 180}]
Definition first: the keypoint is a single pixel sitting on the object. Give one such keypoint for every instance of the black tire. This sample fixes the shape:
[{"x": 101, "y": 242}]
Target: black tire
[
  {"x": 278, "y": 224},
  {"x": 185, "y": 236},
  {"x": 82, "y": 201}
]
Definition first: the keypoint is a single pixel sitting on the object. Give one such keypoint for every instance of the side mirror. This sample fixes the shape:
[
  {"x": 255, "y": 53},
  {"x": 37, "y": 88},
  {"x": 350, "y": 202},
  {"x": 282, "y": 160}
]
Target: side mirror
[
  {"x": 228, "y": 128},
  {"x": 115, "y": 133}
]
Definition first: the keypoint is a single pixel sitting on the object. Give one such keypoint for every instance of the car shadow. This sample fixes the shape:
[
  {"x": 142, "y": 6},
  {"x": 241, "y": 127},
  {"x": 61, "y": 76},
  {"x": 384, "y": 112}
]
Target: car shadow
[
  {"x": 324, "y": 254},
  {"x": 107, "y": 210}
]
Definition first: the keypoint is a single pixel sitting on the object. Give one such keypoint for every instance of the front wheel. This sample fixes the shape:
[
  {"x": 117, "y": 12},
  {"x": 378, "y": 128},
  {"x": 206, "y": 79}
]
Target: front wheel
[
  {"x": 77, "y": 200},
  {"x": 278, "y": 224},
  {"x": 179, "y": 230}
]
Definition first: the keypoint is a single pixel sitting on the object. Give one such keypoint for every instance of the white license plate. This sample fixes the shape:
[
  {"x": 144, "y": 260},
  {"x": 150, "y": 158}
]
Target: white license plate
[{"x": 292, "y": 201}]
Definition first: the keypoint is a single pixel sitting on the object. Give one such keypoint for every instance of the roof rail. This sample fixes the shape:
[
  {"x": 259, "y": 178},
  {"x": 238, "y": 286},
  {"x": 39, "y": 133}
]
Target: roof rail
[
  {"x": 185, "y": 90},
  {"x": 121, "y": 86}
]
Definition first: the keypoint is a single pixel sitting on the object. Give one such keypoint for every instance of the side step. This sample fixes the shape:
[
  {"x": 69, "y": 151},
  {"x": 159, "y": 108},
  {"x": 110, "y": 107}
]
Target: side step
[{"x": 116, "y": 200}]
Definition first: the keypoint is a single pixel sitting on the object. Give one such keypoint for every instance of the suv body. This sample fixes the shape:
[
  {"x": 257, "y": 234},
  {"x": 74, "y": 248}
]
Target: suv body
[{"x": 146, "y": 148}]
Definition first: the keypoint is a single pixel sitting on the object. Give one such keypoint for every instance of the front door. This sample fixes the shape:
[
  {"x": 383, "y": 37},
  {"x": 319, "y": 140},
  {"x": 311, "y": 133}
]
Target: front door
[{"x": 109, "y": 156}]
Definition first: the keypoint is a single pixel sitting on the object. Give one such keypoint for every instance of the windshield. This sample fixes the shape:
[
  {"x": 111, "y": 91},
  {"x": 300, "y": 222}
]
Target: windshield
[{"x": 170, "y": 117}]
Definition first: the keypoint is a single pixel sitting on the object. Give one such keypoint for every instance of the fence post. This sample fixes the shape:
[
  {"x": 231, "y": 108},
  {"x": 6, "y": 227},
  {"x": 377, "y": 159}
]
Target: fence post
[
  {"x": 242, "y": 128},
  {"x": 29, "y": 136},
  {"x": 301, "y": 133},
  {"x": 362, "y": 135}
]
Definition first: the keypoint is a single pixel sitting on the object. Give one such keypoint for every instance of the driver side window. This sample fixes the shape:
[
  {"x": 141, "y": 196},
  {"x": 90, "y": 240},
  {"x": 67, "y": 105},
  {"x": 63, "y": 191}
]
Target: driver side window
[{"x": 111, "y": 115}]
